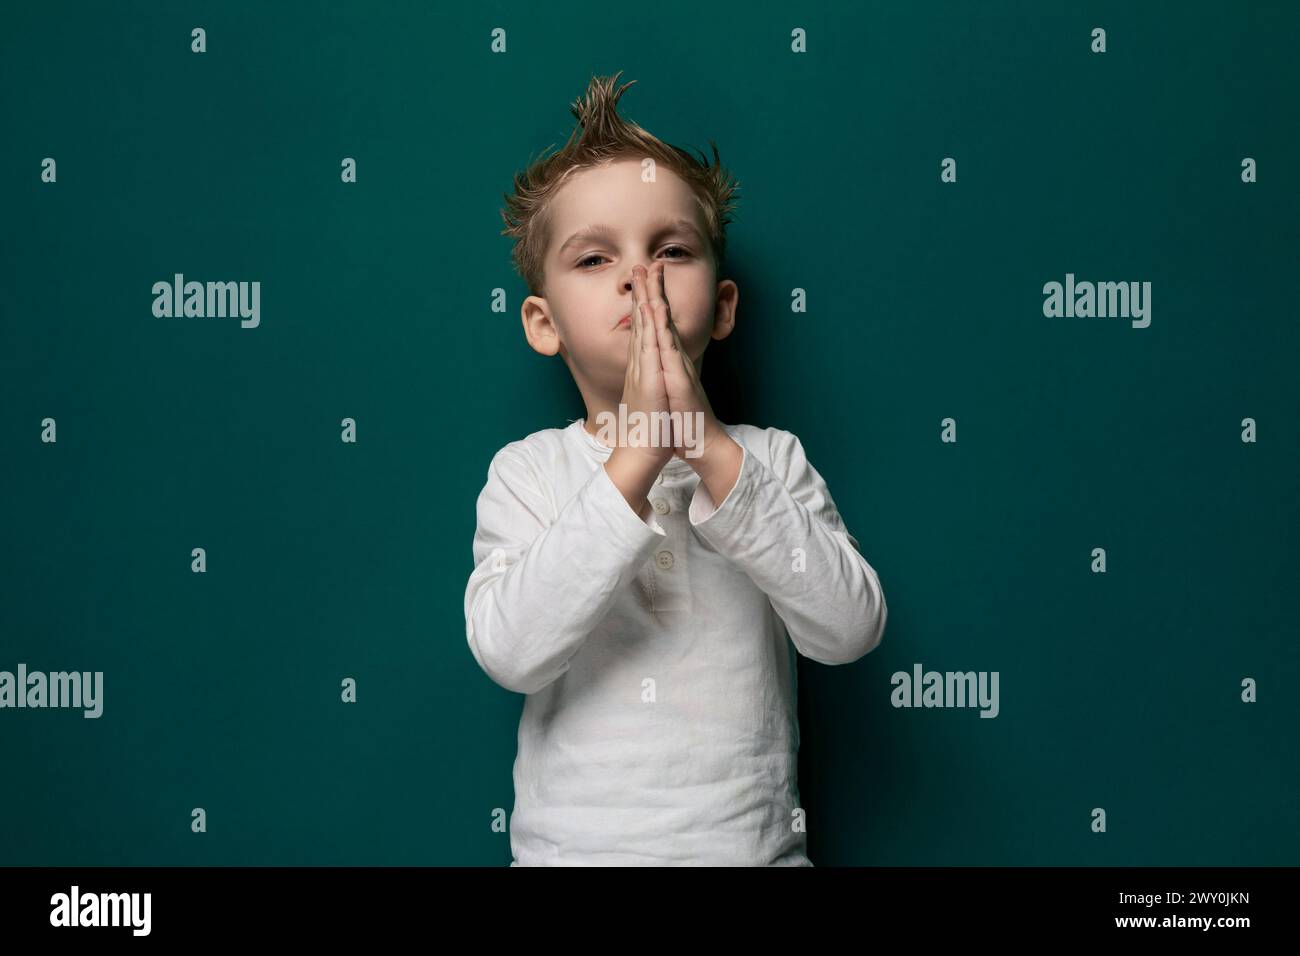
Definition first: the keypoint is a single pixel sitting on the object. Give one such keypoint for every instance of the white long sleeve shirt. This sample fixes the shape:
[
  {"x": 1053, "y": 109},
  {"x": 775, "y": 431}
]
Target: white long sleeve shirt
[{"x": 658, "y": 656}]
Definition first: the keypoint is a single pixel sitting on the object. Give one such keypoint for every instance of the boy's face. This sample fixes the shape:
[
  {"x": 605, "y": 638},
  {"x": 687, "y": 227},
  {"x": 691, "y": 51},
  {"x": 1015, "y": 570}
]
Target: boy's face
[{"x": 588, "y": 273}]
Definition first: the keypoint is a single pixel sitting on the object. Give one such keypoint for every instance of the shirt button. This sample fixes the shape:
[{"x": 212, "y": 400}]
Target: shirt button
[
  {"x": 665, "y": 559},
  {"x": 661, "y": 506}
]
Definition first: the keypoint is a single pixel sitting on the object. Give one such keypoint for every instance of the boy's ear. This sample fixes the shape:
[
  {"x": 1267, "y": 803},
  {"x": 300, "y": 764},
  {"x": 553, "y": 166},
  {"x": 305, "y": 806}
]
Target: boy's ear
[
  {"x": 539, "y": 328},
  {"x": 724, "y": 312}
]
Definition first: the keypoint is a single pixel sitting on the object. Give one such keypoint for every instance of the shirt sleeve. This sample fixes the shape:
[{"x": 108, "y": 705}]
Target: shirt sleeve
[
  {"x": 542, "y": 581},
  {"x": 781, "y": 527}
]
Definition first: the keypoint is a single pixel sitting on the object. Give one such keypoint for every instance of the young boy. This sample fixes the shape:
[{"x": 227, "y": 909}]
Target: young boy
[{"x": 649, "y": 593}]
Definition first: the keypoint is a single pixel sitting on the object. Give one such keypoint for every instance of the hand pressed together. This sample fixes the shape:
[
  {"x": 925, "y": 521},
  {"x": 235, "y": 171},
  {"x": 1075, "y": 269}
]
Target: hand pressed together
[{"x": 662, "y": 377}]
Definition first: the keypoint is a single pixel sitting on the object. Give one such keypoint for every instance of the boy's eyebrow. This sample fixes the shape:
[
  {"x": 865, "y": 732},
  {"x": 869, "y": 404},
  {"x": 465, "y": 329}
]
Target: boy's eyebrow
[{"x": 601, "y": 231}]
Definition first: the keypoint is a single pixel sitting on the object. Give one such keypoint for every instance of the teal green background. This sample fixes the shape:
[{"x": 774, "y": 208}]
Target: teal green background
[{"x": 328, "y": 560}]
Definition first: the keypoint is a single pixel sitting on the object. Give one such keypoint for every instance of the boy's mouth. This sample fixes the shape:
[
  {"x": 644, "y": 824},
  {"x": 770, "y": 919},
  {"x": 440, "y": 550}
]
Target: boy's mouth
[{"x": 626, "y": 320}]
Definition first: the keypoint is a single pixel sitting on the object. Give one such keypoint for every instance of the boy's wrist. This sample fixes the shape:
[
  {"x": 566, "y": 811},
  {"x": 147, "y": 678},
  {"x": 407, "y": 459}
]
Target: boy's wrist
[
  {"x": 717, "y": 449},
  {"x": 719, "y": 467},
  {"x": 633, "y": 475}
]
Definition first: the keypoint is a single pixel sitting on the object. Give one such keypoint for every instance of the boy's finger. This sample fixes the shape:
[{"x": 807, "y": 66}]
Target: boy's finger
[
  {"x": 663, "y": 315},
  {"x": 669, "y": 346},
  {"x": 633, "y": 343},
  {"x": 658, "y": 304},
  {"x": 687, "y": 364},
  {"x": 649, "y": 341},
  {"x": 675, "y": 338},
  {"x": 636, "y": 318},
  {"x": 659, "y": 295},
  {"x": 654, "y": 360}
]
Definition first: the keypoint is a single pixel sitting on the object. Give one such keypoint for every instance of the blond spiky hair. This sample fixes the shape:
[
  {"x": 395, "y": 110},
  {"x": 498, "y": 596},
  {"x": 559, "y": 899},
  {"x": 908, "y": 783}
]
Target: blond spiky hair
[{"x": 600, "y": 137}]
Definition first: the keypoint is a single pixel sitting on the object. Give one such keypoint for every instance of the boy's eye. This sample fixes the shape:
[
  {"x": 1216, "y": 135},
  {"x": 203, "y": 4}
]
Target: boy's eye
[{"x": 685, "y": 253}]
